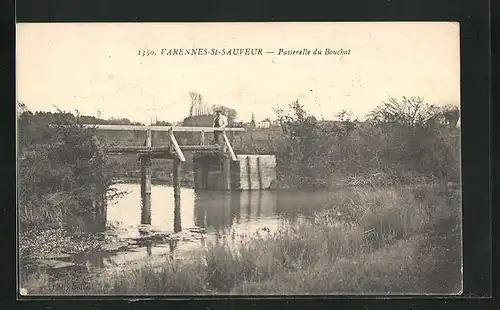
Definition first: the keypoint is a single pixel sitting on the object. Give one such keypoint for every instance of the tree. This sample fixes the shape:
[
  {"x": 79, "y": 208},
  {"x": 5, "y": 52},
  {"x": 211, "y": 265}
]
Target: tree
[
  {"x": 409, "y": 112},
  {"x": 413, "y": 137},
  {"x": 64, "y": 172},
  {"x": 230, "y": 113},
  {"x": 403, "y": 141},
  {"x": 197, "y": 107},
  {"x": 347, "y": 124},
  {"x": 161, "y": 123},
  {"x": 450, "y": 115},
  {"x": 21, "y": 108},
  {"x": 118, "y": 121},
  {"x": 299, "y": 132}
]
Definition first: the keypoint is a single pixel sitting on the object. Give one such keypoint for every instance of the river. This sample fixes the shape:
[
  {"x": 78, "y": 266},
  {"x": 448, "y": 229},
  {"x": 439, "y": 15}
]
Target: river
[{"x": 201, "y": 216}]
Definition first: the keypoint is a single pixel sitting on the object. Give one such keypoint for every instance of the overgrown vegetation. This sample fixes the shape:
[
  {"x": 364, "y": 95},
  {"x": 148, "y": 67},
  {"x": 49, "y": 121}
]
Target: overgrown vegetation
[
  {"x": 65, "y": 178},
  {"x": 402, "y": 141}
]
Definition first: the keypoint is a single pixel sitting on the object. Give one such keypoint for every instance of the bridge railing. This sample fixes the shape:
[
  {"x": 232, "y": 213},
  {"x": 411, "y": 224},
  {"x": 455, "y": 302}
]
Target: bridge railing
[
  {"x": 177, "y": 148},
  {"x": 162, "y": 128},
  {"x": 227, "y": 145}
]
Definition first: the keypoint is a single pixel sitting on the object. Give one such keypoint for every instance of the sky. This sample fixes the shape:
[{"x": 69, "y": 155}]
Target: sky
[{"x": 96, "y": 68}]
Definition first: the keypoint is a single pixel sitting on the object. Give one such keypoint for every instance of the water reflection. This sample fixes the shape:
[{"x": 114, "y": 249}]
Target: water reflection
[
  {"x": 208, "y": 209},
  {"x": 213, "y": 209},
  {"x": 219, "y": 210},
  {"x": 235, "y": 206},
  {"x": 177, "y": 214},
  {"x": 167, "y": 214},
  {"x": 149, "y": 247},
  {"x": 179, "y": 225},
  {"x": 292, "y": 204}
]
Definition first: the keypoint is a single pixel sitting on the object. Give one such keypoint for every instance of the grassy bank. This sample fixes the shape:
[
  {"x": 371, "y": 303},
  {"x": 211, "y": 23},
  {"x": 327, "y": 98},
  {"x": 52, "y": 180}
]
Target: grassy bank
[{"x": 366, "y": 240}]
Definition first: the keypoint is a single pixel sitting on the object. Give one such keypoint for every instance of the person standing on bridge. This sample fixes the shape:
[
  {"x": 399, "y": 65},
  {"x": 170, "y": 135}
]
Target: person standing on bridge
[{"x": 220, "y": 121}]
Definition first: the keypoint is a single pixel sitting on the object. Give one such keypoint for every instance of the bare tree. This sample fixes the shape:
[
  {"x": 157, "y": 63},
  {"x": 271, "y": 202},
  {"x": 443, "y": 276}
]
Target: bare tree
[
  {"x": 21, "y": 108},
  {"x": 412, "y": 111},
  {"x": 230, "y": 113},
  {"x": 196, "y": 107}
]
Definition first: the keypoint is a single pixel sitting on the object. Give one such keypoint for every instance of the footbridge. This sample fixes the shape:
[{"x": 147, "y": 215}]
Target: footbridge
[{"x": 239, "y": 172}]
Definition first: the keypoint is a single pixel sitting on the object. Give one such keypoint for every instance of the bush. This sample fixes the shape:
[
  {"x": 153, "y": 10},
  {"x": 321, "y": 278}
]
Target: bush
[
  {"x": 401, "y": 142},
  {"x": 64, "y": 173}
]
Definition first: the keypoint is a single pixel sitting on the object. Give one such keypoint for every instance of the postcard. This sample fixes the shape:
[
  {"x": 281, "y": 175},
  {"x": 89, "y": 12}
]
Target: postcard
[{"x": 239, "y": 158}]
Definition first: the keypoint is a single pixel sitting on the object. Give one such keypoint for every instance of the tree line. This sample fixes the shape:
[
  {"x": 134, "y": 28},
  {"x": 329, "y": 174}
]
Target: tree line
[{"x": 401, "y": 141}]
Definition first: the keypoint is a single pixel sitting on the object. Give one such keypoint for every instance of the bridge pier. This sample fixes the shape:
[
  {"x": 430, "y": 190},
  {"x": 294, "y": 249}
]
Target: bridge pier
[
  {"x": 249, "y": 172},
  {"x": 177, "y": 177}
]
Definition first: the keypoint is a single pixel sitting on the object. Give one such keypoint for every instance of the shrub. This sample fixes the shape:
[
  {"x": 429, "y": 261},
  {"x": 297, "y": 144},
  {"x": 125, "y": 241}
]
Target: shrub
[
  {"x": 402, "y": 142},
  {"x": 64, "y": 172}
]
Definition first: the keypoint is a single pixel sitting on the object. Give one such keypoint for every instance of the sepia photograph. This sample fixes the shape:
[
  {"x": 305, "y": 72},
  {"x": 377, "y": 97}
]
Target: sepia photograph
[{"x": 249, "y": 159}]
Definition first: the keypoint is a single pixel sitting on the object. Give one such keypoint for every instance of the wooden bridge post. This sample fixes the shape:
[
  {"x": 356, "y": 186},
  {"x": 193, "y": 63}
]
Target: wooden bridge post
[
  {"x": 146, "y": 183},
  {"x": 177, "y": 179},
  {"x": 202, "y": 140},
  {"x": 149, "y": 138}
]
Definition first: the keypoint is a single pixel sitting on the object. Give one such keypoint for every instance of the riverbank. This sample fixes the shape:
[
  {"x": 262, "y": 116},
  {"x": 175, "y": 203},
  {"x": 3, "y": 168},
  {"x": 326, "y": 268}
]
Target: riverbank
[{"x": 366, "y": 240}]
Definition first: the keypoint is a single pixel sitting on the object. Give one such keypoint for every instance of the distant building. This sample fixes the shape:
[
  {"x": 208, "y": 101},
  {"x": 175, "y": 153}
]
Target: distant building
[
  {"x": 264, "y": 123},
  {"x": 198, "y": 121},
  {"x": 206, "y": 120},
  {"x": 237, "y": 123}
]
